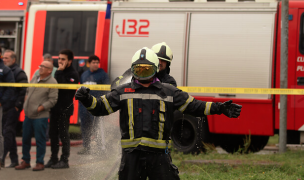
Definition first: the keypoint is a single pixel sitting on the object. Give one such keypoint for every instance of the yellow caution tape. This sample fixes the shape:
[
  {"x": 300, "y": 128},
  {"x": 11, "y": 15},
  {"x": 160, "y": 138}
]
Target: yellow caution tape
[
  {"x": 241, "y": 90},
  {"x": 188, "y": 89},
  {"x": 58, "y": 86}
]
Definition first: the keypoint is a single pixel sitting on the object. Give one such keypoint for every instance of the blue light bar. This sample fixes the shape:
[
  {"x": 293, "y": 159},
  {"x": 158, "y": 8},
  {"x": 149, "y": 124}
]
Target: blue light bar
[{"x": 20, "y": 3}]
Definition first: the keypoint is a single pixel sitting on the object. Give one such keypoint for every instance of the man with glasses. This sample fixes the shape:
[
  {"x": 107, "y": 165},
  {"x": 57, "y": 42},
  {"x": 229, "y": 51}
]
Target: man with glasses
[
  {"x": 47, "y": 57},
  {"x": 12, "y": 109},
  {"x": 38, "y": 102}
]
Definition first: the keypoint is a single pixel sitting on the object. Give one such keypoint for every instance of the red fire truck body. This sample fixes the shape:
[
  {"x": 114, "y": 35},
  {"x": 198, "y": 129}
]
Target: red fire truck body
[
  {"x": 214, "y": 44},
  {"x": 47, "y": 27},
  {"x": 220, "y": 45}
]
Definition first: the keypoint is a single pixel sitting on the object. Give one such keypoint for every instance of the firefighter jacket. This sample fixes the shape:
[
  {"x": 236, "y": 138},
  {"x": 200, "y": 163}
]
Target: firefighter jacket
[
  {"x": 164, "y": 77},
  {"x": 146, "y": 112}
]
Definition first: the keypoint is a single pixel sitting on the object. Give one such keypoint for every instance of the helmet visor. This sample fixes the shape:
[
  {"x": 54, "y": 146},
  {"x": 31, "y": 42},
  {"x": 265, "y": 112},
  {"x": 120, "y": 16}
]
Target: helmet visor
[{"x": 143, "y": 71}]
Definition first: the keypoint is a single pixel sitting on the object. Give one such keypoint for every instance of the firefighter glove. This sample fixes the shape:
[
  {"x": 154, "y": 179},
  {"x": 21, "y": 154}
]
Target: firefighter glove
[
  {"x": 230, "y": 109},
  {"x": 82, "y": 94}
]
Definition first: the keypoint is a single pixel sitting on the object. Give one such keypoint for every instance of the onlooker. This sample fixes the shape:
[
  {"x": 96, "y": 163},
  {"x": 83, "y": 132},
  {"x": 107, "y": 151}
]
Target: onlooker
[
  {"x": 36, "y": 119},
  {"x": 6, "y": 75},
  {"x": 14, "y": 107},
  {"x": 47, "y": 57},
  {"x": 89, "y": 123},
  {"x": 61, "y": 112}
]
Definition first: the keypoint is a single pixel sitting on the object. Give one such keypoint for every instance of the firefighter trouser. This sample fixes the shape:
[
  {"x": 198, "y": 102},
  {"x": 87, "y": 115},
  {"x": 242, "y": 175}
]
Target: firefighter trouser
[{"x": 142, "y": 164}]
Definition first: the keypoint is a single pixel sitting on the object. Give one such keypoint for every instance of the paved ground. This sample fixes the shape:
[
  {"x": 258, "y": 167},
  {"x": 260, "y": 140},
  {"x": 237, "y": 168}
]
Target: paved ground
[
  {"x": 82, "y": 167},
  {"x": 100, "y": 165}
]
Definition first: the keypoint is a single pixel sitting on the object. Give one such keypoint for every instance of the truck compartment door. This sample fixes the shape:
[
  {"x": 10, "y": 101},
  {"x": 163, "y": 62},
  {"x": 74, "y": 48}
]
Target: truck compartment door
[
  {"x": 234, "y": 49},
  {"x": 132, "y": 31},
  {"x": 299, "y": 72}
]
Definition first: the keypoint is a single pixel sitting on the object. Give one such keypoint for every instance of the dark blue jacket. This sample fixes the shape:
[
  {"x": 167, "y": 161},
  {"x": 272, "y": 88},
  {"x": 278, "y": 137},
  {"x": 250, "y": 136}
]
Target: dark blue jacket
[
  {"x": 96, "y": 77},
  {"x": 6, "y": 75},
  {"x": 17, "y": 99}
]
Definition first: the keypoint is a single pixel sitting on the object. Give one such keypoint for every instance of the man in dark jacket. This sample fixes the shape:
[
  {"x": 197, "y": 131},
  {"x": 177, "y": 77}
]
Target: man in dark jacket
[
  {"x": 146, "y": 108},
  {"x": 62, "y": 111},
  {"x": 6, "y": 75},
  {"x": 15, "y": 106}
]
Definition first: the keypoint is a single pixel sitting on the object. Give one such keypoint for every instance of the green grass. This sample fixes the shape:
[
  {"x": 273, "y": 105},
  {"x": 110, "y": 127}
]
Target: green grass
[
  {"x": 286, "y": 166},
  {"x": 273, "y": 140}
]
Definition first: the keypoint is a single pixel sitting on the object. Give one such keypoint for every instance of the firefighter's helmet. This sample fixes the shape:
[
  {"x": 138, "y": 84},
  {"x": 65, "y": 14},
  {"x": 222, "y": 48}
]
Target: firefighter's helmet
[
  {"x": 163, "y": 51},
  {"x": 144, "y": 64}
]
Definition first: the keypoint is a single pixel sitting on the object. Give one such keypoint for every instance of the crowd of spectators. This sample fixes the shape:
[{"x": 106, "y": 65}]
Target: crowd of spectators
[{"x": 47, "y": 110}]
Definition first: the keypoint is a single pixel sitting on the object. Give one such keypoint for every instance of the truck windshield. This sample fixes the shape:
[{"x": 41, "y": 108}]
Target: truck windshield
[{"x": 75, "y": 30}]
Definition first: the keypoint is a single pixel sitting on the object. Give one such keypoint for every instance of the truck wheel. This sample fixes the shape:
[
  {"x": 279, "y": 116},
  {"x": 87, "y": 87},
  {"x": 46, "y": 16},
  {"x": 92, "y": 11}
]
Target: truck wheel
[
  {"x": 258, "y": 143},
  {"x": 188, "y": 133},
  {"x": 230, "y": 143},
  {"x": 293, "y": 137},
  {"x": 242, "y": 144}
]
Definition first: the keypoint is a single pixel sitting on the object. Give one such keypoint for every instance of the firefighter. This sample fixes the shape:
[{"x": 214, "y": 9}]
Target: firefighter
[
  {"x": 146, "y": 108},
  {"x": 165, "y": 56}
]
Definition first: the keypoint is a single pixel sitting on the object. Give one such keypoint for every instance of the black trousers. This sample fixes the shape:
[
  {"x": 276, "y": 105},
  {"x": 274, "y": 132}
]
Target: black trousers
[
  {"x": 9, "y": 123},
  {"x": 59, "y": 127},
  {"x": 142, "y": 164}
]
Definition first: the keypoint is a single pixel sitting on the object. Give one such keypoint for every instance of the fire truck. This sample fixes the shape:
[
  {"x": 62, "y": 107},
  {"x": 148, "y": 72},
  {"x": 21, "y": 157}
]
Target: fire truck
[
  {"x": 215, "y": 44},
  {"x": 219, "y": 44},
  {"x": 33, "y": 28}
]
